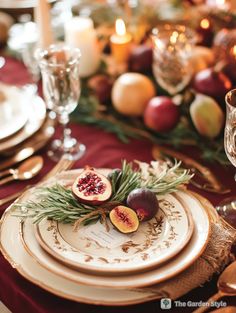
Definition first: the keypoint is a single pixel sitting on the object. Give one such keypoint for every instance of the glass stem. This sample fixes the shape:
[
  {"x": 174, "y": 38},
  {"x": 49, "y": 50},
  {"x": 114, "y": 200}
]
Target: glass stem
[{"x": 66, "y": 132}]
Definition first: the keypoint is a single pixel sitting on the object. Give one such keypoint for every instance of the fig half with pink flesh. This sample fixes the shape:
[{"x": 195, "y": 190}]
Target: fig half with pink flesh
[
  {"x": 144, "y": 202},
  {"x": 91, "y": 187},
  {"x": 124, "y": 219}
]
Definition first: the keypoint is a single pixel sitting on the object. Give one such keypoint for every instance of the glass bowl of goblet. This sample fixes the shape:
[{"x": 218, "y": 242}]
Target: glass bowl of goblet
[
  {"x": 59, "y": 65},
  {"x": 172, "y": 46}
]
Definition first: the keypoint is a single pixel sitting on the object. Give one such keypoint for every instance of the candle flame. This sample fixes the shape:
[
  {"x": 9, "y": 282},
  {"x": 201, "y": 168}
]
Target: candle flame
[
  {"x": 234, "y": 51},
  {"x": 174, "y": 37},
  {"x": 220, "y": 3},
  {"x": 120, "y": 27},
  {"x": 205, "y": 24}
]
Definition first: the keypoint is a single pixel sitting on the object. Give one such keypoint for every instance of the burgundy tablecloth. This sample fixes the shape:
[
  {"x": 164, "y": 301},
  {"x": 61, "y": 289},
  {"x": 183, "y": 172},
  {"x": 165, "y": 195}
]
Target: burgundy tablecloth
[{"x": 103, "y": 150}]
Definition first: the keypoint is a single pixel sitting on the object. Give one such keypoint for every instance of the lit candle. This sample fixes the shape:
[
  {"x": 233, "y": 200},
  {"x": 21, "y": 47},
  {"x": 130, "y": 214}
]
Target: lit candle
[
  {"x": 120, "y": 42},
  {"x": 233, "y": 52},
  {"x": 80, "y": 33},
  {"x": 205, "y": 32},
  {"x": 43, "y": 21}
]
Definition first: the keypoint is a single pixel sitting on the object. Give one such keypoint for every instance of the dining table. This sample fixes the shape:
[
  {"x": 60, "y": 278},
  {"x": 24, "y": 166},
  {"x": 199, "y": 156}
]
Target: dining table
[{"x": 103, "y": 150}]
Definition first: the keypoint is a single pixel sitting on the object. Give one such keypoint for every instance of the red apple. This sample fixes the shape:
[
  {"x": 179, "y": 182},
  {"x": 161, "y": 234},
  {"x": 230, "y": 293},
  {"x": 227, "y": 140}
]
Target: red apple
[
  {"x": 212, "y": 83},
  {"x": 161, "y": 114}
]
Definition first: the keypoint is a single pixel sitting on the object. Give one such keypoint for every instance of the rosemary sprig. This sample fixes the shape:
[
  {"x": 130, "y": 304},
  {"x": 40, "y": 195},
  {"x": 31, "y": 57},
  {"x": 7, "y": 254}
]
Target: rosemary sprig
[{"x": 58, "y": 203}]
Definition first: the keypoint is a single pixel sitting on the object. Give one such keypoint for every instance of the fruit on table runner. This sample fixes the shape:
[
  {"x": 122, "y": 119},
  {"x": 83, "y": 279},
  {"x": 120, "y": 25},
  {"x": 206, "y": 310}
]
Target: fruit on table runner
[
  {"x": 212, "y": 82},
  {"x": 141, "y": 59},
  {"x": 144, "y": 202},
  {"x": 124, "y": 219},
  {"x": 207, "y": 116},
  {"x": 101, "y": 86},
  {"x": 131, "y": 93},
  {"x": 161, "y": 114},
  {"x": 91, "y": 187},
  {"x": 201, "y": 58}
]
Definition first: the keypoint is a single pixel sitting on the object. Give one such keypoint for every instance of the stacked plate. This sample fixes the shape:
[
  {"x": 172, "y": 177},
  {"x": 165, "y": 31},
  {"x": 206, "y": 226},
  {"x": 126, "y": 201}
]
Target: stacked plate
[
  {"x": 22, "y": 115},
  {"x": 109, "y": 268}
]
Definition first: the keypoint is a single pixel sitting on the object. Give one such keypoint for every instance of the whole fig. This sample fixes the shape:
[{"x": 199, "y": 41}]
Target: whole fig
[{"x": 144, "y": 202}]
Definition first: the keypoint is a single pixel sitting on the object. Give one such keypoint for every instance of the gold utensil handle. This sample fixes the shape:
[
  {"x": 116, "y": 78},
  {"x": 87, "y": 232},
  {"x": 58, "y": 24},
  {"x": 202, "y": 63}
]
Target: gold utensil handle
[
  {"x": 6, "y": 180},
  {"x": 212, "y": 299},
  {"x": 206, "y": 173},
  {"x": 62, "y": 165},
  {"x": 5, "y": 173}
]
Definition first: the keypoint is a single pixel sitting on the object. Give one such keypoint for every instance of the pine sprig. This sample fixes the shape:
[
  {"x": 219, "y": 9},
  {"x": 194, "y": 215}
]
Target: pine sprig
[{"x": 58, "y": 203}]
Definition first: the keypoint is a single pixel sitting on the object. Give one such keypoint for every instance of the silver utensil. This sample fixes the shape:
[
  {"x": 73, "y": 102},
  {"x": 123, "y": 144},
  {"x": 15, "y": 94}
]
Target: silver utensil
[
  {"x": 62, "y": 165},
  {"x": 27, "y": 170},
  {"x": 226, "y": 286}
]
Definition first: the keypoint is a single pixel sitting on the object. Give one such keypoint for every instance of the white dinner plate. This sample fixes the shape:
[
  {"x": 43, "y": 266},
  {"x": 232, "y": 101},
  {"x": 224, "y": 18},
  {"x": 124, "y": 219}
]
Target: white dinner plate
[
  {"x": 13, "y": 111},
  {"x": 92, "y": 248}
]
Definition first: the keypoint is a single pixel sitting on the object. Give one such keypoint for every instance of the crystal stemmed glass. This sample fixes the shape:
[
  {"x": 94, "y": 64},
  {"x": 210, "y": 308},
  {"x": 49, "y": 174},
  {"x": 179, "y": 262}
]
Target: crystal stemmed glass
[
  {"x": 172, "y": 46},
  {"x": 59, "y": 65},
  {"x": 228, "y": 207}
]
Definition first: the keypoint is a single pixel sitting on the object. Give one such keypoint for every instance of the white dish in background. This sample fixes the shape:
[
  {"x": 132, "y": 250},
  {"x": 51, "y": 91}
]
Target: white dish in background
[
  {"x": 36, "y": 113},
  {"x": 13, "y": 111}
]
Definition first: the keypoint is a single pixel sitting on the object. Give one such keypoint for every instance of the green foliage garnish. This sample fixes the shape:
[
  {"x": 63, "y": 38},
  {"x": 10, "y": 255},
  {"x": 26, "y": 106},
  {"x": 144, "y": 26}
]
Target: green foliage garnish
[{"x": 58, "y": 203}]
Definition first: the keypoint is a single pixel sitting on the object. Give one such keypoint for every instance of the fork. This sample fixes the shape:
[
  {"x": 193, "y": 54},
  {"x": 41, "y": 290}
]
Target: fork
[{"x": 62, "y": 165}]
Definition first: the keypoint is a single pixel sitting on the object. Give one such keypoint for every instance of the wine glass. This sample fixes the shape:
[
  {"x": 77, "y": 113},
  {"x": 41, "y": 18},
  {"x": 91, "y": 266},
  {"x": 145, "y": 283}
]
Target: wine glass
[
  {"x": 227, "y": 209},
  {"x": 59, "y": 65},
  {"x": 171, "y": 63}
]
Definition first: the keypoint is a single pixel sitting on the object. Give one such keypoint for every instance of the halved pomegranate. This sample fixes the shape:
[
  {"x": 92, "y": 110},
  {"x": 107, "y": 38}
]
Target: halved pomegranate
[{"x": 91, "y": 187}]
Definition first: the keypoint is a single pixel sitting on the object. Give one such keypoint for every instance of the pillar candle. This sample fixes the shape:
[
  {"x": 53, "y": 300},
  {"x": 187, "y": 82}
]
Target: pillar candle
[
  {"x": 120, "y": 42},
  {"x": 80, "y": 33},
  {"x": 43, "y": 20}
]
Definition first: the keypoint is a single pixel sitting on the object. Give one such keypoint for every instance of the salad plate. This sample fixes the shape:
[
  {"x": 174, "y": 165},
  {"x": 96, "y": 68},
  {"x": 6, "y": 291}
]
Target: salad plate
[{"x": 92, "y": 248}]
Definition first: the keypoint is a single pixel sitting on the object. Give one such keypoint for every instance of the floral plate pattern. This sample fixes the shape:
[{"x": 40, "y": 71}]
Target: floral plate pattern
[{"x": 92, "y": 248}]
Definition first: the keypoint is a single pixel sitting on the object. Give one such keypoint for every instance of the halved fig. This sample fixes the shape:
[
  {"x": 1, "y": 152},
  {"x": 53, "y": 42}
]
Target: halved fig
[
  {"x": 91, "y": 187},
  {"x": 124, "y": 219}
]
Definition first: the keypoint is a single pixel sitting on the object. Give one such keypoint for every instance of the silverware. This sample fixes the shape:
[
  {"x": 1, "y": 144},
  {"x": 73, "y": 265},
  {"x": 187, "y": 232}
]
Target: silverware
[
  {"x": 209, "y": 181},
  {"x": 226, "y": 286},
  {"x": 28, "y": 169},
  {"x": 62, "y": 165},
  {"x": 30, "y": 146}
]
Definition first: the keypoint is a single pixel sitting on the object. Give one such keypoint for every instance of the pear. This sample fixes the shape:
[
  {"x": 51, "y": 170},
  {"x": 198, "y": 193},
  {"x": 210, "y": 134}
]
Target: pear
[{"x": 207, "y": 116}]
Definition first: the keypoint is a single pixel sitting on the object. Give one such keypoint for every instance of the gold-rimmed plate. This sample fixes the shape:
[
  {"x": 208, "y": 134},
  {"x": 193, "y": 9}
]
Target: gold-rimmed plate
[{"x": 93, "y": 249}]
